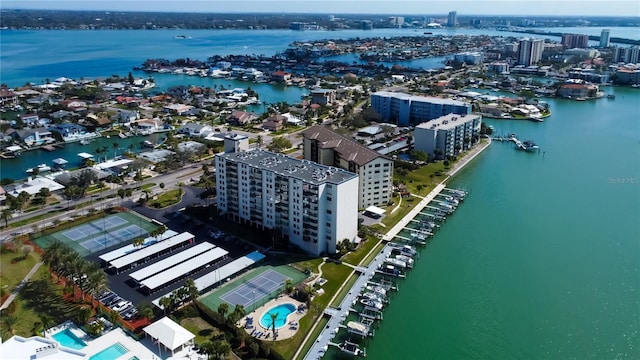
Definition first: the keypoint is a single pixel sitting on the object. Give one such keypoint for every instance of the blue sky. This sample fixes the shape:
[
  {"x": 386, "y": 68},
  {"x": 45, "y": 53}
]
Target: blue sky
[{"x": 404, "y": 7}]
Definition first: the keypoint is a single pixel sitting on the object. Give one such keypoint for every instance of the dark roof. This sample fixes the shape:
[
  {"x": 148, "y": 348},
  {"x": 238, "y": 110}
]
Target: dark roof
[{"x": 347, "y": 148}]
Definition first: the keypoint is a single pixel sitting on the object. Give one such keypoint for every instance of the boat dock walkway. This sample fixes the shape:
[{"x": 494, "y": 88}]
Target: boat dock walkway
[
  {"x": 413, "y": 213},
  {"x": 339, "y": 314}
]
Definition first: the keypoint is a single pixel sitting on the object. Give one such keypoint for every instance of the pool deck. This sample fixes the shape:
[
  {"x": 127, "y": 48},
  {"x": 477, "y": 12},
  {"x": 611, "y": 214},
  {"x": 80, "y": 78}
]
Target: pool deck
[
  {"x": 143, "y": 349},
  {"x": 284, "y": 332}
]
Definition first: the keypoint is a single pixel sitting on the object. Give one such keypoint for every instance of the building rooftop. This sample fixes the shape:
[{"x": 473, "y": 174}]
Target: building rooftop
[
  {"x": 417, "y": 98},
  {"x": 447, "y": 122},
  {"x": 347, "y": 148},
  {"x": 281, "y": 164},
  {"x": 37, "y": 347}
]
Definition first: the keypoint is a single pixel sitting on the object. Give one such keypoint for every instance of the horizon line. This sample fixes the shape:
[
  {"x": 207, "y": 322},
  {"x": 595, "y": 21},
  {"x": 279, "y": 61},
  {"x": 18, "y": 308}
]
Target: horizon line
[{"x": 315, "y": 13}]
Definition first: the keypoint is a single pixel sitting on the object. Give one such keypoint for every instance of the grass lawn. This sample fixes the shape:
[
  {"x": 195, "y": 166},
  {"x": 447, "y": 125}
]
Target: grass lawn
[
  {"x": 422, "y": 177},
  {"x": 345, "y": 290},
  {"x": 28, "y": 316},
  {"x": 355, "y": 257},
  {"x": 11, "y": 273},
  {"x": 200, "y": 328},
  {"x": 314, "y": 335},
  {"x": 148, "y": 186},
  {"x": 336, "y": 275},
  {"x": 166, "y": 199},
  {"x": 373, "y": 254}
]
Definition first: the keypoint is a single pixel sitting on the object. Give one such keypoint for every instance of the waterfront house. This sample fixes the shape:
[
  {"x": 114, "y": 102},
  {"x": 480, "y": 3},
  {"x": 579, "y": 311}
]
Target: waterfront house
[
  {"x": 323, "y": 96},
  {"x": 70, "y": 132},
  {"x": 8, "y": 98},
  {"x": 177, "y": 109},
  {"x": 281, "y": 76},
  {"x": 274, "y": 123},
  {"x": 241, "y": 117},
  {"x": 148, "y": 126},
  {"x": 575, "y": 91},
  {"x": 35, "y": 137},
  {"x": 195, "y": 129},
  {"x": 29, "y": 119},
  {"x": 127, "y": 116}
]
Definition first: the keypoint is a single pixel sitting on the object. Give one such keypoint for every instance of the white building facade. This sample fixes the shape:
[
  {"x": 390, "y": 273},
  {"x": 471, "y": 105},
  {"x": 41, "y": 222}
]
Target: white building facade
[
  {"x": 448, "y": 135},
  {"x": 315, "y": 206}
]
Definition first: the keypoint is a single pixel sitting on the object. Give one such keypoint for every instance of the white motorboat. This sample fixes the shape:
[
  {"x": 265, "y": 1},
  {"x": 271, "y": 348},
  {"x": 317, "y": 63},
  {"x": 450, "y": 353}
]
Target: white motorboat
[{"x": 41, "y": 168}]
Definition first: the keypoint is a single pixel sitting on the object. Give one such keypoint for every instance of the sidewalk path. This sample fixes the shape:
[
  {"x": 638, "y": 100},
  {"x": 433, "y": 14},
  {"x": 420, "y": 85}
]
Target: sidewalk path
[{"x": 16, "y": 291}]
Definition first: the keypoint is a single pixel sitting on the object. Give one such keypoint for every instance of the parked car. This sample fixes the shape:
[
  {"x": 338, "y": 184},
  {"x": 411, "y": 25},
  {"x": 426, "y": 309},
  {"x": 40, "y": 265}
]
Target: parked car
[
  {"x": 121, "y": 305},
  {"x": 130, "y": 314},
  {"x": 116, "y": 299}
]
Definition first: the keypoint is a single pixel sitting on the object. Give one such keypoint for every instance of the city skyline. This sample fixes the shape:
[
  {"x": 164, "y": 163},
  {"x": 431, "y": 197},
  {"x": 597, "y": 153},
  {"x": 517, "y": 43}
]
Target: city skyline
[{"x": 463, "y": 7}]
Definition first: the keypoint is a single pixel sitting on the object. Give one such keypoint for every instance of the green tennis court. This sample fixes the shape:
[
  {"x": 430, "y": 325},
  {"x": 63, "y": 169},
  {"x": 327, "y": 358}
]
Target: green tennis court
[{"x": 100, "y": 234}]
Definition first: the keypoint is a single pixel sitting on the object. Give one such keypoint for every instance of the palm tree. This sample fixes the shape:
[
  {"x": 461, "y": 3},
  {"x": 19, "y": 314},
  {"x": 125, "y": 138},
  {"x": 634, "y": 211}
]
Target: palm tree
[
  {"x": 46, "y": 321},
  {"x": 96, "y": 282},
  {"x": 53, "y": 255},
  {"x": 146, "y": 193},
  {"x": 165, "y": 302},
  {"x": 192, "y": 291},
  {"x": 223, "y": 309},
  {"x": 274, "y": 317},
  {"x": 5, "y": 215},
  {"x": 10, "y": 322},
  {"x": 114, "y": 317}
]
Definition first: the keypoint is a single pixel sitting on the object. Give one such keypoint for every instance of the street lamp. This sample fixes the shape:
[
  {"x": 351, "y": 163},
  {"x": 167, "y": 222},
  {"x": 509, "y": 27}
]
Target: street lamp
[{"x": 253, "y": 292}]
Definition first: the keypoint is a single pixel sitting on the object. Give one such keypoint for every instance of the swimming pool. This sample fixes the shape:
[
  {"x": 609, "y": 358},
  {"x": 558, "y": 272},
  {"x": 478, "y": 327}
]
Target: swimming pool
[
  {"x": 112, "y": 352},
  {"x": 283, "y": 311},
  {"x": 68, "y": 339}
]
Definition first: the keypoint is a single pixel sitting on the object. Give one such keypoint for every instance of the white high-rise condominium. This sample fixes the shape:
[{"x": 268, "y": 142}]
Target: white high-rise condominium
[
  {"x": 530, "y": 51},
  {"x": 604, "y": 38},
  {"x": 452, "y": 20},
  {"x": 314, "y": 206}
]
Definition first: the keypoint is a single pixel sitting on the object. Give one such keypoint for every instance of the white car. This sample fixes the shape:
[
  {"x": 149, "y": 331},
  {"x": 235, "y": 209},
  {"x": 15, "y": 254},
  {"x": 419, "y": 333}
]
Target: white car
[{"x": 121, "y": 305}]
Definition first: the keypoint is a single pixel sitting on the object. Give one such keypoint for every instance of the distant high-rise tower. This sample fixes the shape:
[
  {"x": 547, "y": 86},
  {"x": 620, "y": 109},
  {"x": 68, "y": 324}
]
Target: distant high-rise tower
[
  {"x": 453, "y": 19},
  {"x": 572, "y": 41},
  {"x": 530, "y": 51},
  {"x": 604, "y": 38}
]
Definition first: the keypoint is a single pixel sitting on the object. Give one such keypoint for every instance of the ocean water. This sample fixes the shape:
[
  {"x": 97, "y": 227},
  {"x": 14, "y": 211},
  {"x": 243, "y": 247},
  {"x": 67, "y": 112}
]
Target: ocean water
[{"x": 542, "y": 261}]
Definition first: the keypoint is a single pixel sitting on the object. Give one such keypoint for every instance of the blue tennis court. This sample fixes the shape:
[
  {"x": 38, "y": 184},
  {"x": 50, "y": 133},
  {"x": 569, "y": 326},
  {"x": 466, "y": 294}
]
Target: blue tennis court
[
  {"x": 100, "y": 233},
  {"x": 113, "y": 237},
  {"x": 254, "y": 290}
]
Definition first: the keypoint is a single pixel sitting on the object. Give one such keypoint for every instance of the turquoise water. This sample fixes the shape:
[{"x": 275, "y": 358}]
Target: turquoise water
[
  {"x": 68, "y": 339},
  {"x": 112, "y": 352},
  {"x": 283, "y": 311},
  {"x": 542, "y": 260}
]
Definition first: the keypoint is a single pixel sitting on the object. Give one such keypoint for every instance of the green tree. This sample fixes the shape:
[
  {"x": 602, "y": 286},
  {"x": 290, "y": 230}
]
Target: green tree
[
  {"x": 279, "y": 144},
  {"x": 5, "y": 215},
  {"x": 274, "y": 317},
  {"x": 223, "y": 308},
  {"x": 96, "y": 282},
  {"x": 192, "y": 292},
  {"x": 46, "y": 322}
]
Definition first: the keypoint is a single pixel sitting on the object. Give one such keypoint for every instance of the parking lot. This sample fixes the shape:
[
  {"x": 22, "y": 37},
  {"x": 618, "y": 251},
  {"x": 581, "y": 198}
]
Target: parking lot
[{"x": 125, "y": 296}]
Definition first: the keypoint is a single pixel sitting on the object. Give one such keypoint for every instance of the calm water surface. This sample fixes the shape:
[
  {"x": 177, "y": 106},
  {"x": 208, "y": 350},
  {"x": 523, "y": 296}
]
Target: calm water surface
[{"x": 540, "y": 262}]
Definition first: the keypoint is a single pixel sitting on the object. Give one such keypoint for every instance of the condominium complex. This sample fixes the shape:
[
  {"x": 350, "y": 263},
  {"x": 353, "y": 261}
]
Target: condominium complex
[
  {"x": 571, "y": 41},
  {"x": 447, "y": 136},
  {"x": 628, "y": 55},
  {"x": 375, "y": 171},
  {"x": 530, "y": 51},
  {"x": 314, "y": 206},
  {"x": 605, "y": 36},
  {"x": 406, "y": 109}
]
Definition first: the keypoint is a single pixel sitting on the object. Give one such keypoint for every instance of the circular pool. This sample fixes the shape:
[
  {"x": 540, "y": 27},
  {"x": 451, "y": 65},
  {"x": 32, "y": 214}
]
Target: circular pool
[{"x": 283, "y": 311}]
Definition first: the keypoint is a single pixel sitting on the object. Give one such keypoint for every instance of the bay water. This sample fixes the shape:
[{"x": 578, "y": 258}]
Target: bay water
[{"x": 540, "y": 262}]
